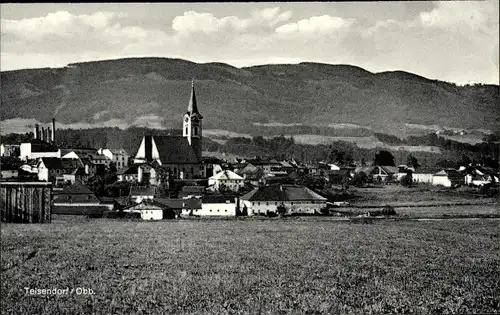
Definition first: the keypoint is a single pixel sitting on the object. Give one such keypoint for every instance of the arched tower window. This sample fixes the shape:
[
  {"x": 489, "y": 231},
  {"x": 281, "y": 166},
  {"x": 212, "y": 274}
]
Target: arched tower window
[{"x": 196, "y": 131}]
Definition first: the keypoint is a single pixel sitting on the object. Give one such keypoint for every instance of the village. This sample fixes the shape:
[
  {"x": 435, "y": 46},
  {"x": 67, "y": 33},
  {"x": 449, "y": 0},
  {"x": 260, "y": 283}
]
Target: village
[{"x": 168, "y": 177}]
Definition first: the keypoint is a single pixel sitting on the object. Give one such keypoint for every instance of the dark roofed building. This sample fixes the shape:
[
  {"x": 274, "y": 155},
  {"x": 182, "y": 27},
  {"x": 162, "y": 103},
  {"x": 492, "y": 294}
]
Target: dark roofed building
[
  {"x": 77, "y": 199},
  {"x": 295, "y": 198}
]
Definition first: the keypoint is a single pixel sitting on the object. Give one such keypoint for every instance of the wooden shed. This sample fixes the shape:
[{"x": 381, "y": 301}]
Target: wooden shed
[{"x": 25, "y": 202}]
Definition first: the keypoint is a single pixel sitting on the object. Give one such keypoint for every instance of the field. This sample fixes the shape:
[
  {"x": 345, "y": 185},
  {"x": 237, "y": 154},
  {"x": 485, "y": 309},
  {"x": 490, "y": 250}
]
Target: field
[
  {"x": 249, "y": 266},
  {"x": 398, "y": 195}
]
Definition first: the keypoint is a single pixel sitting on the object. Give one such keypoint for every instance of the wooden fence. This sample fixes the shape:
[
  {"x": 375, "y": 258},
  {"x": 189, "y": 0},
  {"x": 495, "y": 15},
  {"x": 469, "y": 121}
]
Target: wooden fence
[{"x": 25, "y": 202}]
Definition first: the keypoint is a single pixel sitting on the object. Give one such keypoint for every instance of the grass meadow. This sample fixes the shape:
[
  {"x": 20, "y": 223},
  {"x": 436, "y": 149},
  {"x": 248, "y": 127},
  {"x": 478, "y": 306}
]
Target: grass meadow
[{"x": 252, "y": 267}]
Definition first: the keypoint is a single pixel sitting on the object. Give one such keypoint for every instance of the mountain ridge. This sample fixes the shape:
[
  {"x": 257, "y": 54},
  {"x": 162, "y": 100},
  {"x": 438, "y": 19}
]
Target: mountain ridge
[{"x": 310, "y": 93}]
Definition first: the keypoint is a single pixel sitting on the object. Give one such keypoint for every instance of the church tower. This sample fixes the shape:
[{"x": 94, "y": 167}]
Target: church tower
[{"x": 192, "y": 127}]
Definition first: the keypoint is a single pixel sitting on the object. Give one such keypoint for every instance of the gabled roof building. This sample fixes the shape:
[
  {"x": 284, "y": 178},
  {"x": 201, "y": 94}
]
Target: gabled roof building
[{"x": 295, "y": 198}]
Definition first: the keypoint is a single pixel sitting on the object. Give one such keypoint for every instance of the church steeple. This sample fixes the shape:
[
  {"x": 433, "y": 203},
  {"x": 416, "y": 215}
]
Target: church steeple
[
  {"x": 193, "y": 107},
  {"x": 192, "y": 124}
]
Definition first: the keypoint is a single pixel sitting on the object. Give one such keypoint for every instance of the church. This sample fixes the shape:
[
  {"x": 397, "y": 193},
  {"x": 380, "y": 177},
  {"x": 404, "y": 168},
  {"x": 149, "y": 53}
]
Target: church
[{"x": 178, "y": 155}]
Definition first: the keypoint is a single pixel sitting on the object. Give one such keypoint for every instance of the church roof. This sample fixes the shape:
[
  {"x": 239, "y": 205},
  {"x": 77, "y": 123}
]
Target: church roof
[
  {"x": 175, "y": 150},
  {"x": 193, "y": 106},
  {"x": 226, "y": 175}
]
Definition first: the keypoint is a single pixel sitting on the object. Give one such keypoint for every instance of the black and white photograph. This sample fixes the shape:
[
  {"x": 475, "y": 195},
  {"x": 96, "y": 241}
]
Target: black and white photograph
[{"x": 250, "y": 158}]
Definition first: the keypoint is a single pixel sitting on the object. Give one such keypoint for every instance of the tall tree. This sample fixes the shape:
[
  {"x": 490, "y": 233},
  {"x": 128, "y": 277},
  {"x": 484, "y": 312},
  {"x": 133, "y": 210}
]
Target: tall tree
[
  {"x": 384, "y": 158},
  {"x": 412, "y": 161}
]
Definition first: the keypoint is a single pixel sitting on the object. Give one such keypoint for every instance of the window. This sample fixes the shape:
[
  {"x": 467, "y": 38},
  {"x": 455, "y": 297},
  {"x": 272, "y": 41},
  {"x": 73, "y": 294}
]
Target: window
[
  {"x": 253, "y": 203},
  {"x": 276, "y": 203},
  {"x": 292, "y": 203},
  {"x": 258, "y": 203},
  {"x": 195, "y": 131},
  {"x": 186, "y": 131},
  {"x": 210, "y": 210},
  {"x": 267, "y": 203},
  {"x": 217, "y": 210},
  {"x": 225, "y": 210}
]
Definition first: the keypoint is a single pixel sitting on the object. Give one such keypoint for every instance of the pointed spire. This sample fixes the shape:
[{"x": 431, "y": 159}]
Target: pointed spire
[{"x": 192, "y": 107}]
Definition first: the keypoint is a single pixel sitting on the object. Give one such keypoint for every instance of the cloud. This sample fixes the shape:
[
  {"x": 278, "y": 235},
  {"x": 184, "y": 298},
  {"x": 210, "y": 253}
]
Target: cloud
[
  {"x": 474, "y": 15},
  {"x": 194, "y": 22},
  {"x": 324, "y": 24},
  {"x": 61, "y": 23}
]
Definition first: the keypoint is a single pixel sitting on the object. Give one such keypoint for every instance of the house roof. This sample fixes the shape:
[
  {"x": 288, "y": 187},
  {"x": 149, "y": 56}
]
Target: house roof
[
  {"x": 226, "y": 175},
  {"x": 218, "y": 199},
  {"x": 57, "y": 163},
  {"x": 76, "y": 189},
  {"x": 175, "y": 150},
  {"x": 147, "y": 205},
  {"x": 448, "y": 172},
  {"x": 142, "y": 191},
  {"x": 193, "y": 189},
  {"x": 80, "y": 171},
  {"x": 263, "y": 162},
  {"x": 193, "y": 203},
  {"x": 282, "y": 193},
  {"x": 118, "y": 151},
  {"x": 286, "y": 164},
  {"x": 98, "y": 156},
  {"x": 79, "y": 151},
  {"x": 78, "y": 210},
  {"x": 127, "y": 170}
]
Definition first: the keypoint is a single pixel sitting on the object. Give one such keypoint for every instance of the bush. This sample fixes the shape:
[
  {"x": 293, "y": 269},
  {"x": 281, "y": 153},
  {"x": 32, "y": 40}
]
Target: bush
[
  {"x": 388, "y": 210},
  {"x": 324, "y": 211}
]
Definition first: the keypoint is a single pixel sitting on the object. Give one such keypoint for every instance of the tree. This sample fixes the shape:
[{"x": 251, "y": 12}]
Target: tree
[
  {"x": 412, "y": 161},
  {"x": 384, "y": 158},
  {"x": 465, "y": 161},
  {"x": 407, "y": 180},
  {"x": 360, "y": 179}
]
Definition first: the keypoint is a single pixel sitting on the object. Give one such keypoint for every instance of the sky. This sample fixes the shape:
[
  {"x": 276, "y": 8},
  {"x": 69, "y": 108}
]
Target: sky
[{"x": 454, "y": 41}]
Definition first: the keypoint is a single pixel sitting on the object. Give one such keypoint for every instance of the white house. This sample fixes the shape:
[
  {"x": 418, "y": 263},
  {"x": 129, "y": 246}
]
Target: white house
[
  {"x": 226, "y": 180},
  {"x": 447, "y": 178},
  {"x": 295, "y": 198},
  {"x": 481, "y": 176},
  {"x": 118, "y": 156},
  {"x": 149, "y": 211},
  {"x": 424, "y": 178},
  {"x": 217, "y": 205}
]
